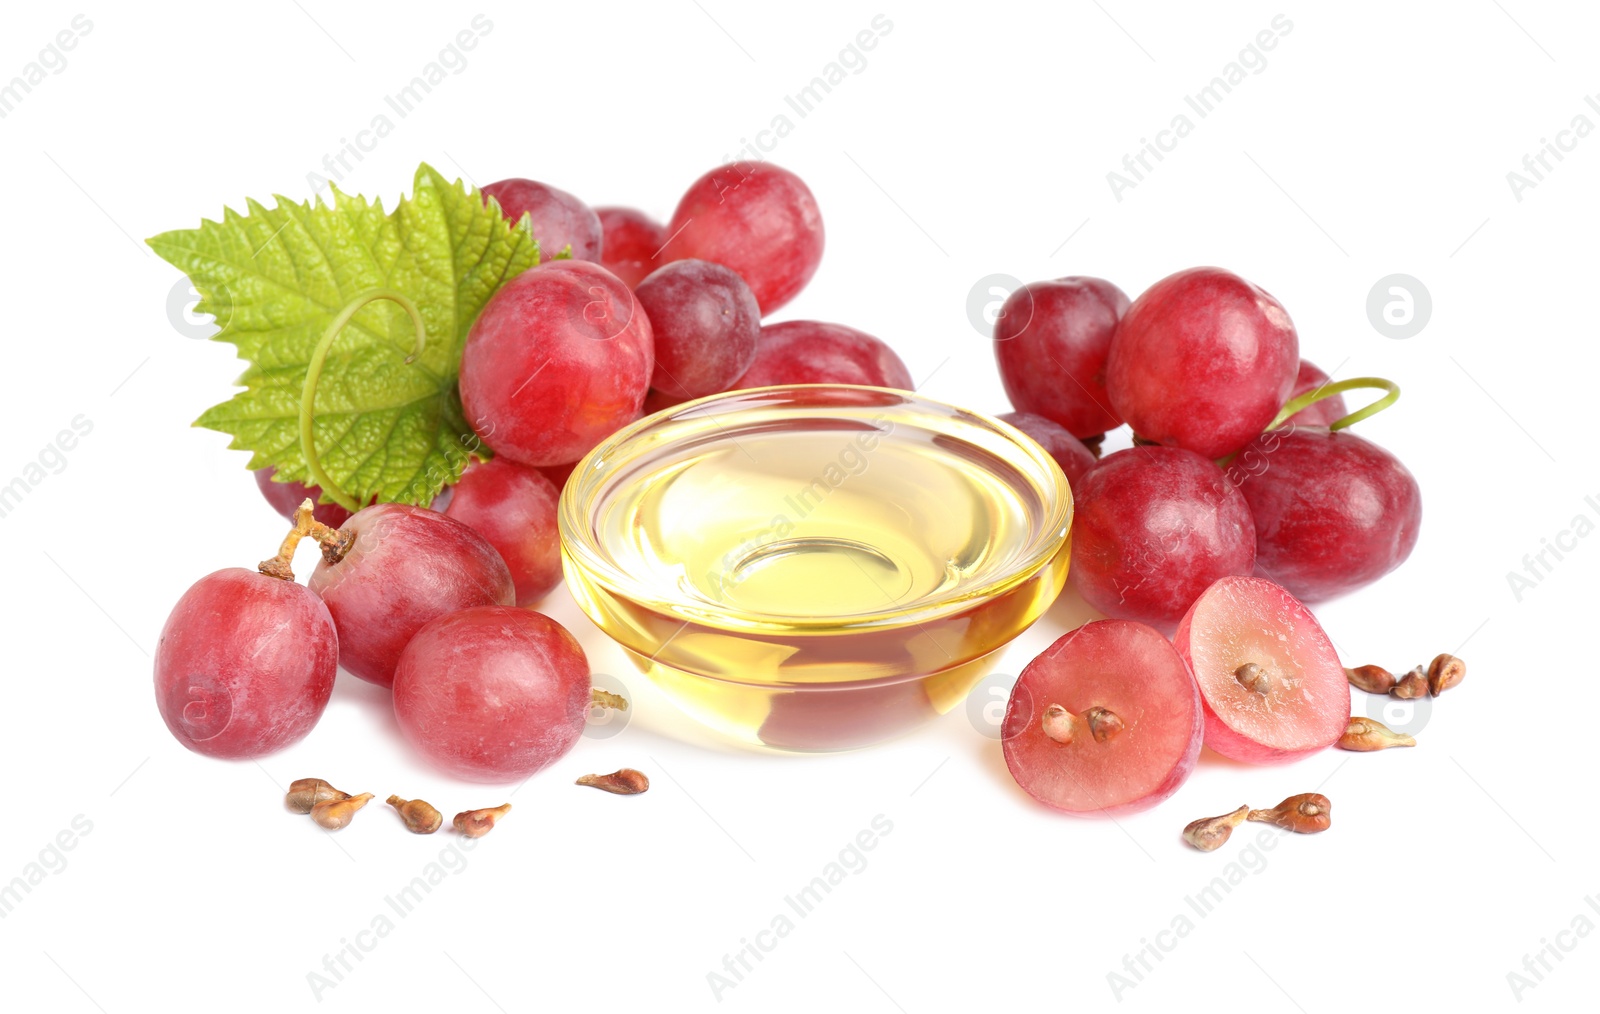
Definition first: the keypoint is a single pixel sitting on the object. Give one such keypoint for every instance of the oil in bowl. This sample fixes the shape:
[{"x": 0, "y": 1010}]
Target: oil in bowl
[{"x": 815, "y": 567}]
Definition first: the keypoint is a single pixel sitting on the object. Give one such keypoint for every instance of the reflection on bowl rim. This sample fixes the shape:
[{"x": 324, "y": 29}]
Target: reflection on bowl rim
[{"x": 579, "y": 544}]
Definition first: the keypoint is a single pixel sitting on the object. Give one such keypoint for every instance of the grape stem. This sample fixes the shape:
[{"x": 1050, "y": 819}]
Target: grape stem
[
  {"x": 308, "y": 390},
  {"x": 335, "y": 543},
  {"x": 1332, "y": 388}
]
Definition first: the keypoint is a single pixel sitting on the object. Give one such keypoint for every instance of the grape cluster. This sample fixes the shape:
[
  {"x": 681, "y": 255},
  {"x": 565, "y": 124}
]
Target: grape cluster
[
  {"x": 624, "y": 315},
  {"x": 1243, "y": 496}
]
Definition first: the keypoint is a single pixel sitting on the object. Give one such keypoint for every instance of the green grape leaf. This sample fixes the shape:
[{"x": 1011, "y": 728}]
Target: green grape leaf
[{"x": 275, "y": 278}]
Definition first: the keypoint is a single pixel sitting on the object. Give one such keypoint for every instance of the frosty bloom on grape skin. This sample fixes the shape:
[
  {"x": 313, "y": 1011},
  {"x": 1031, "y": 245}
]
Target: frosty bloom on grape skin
[
  {"x": 493, "y": 693},
  {"x": 245, "y": 664}
]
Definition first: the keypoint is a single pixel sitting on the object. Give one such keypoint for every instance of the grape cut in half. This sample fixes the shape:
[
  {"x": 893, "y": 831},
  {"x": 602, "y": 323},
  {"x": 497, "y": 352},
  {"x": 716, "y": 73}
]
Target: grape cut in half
[
  {"x": 1106, "y": 720},
  {"x": 1271, "y": 683}
]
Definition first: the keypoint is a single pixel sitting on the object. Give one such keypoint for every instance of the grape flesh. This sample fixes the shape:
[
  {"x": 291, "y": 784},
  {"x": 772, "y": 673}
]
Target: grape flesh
[
  {"x": 406, "y": 566},
  {"x": 759, "y": 220},
  {"x": 1067, "y": 450},
  {"x": 1297, "y": 701},
  {"x": 559, "y": 219},
  {"x": 1130, "y": 670},
  {"x": 286, "y": 498},
  {"x": 1333, "y": 512},
  {"x": 514, "y": 508},
  {"x": 245, "y": 664},
  {"x": 705, "y": 321},
  {"x": 631, "y": 240},
  {"x": 1152, "y": 529},
  {"x": 1322, "y": 413},
  {"x": 1051, "y": 341},
  {"x": 1202, "y": 360},
  {"x": 492, "y": 694},
  {"x": 816, "y": 352},
  {"x": 557, "y": 360}
]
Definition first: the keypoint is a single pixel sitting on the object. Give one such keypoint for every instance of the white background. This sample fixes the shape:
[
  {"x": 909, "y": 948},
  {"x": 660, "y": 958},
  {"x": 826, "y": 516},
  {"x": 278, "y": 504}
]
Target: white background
[{"x": 1376, "y": 140}]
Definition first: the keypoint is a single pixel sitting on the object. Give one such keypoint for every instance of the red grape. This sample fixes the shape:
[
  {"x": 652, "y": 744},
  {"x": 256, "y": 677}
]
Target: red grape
[
  {"x": 705, "y": 322},
  {"x": 286, "y": 497},
  {"x": 1272, "y": 685},
  {"x": 1051, "y": 342},
  {"x": 245, "y": 664},
  {"x": 492, "y": 694},
  {"x": 556, "y": 362},
  {"x": 514, "y": 508},
  {"x": 1153, "y": 527},
  {"x": 1332, "y": 511},
  {"x": 757, "y": 219},
  {"x": 559, "y": 219},
  {"x": 815, "y": 352},
  {"x": 1322, "y": 413},
  {"x": 1067, "y": 450},
  {"x": 1202, "y": 360},
  {"x": 406, "y": 566},
  {"x": 1063, "y": 749},
  {"x": 632, "y": 240}
]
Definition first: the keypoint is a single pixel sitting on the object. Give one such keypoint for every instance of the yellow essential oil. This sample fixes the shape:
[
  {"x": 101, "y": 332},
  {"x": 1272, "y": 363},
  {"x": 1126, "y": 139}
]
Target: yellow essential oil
[{"x": 815, "y": 567}]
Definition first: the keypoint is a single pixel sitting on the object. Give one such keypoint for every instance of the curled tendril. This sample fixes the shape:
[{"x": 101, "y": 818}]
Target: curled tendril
[{"x": 308, "y": 390}]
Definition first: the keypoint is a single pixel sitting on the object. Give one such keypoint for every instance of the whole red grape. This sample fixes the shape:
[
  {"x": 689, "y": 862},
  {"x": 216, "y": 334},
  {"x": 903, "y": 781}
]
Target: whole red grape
[
  {"x": 757, "y": 219},
  {"x": 816, "y": 352},
  {"x": 1202, "y": 360},
  {"x": 1051, "y": 341},
  {"x": 492, "y": 694},
  {"x": 514, "y": 508},
  {"x": 1153, "y": 527},
  {"x": 406, "y": 566},
  {"x": 1067, "y": 450},
  {"x": 631, "y": 242},
  {"x": 1332, "y": 511},
  {"x": 557, "y": 360},
  {"x": 559, "y": 219},
  {"x": 245, "y": 664},
  {"x": 705, "y": 321}
]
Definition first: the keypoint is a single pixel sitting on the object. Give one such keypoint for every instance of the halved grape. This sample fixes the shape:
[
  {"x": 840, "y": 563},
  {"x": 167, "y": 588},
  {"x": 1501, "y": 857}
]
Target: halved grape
[
  {"x": 559, "y": 219},
  {"x": 757, "y": 219},
  {"x": 815, "y": 352},
  {"x": 1051, "y": 341},
  {"x": 559, "y": 359},
  {"x": 407, "y": 565},
  {"x": 1272, "y": 685},
  {"x": 1333, "y": 512},
  {"x": 1107, "y": 720},
  {"x": 492, "y": 694},
  {"x": 245, "y": 664},
  {"x": 1202, "y": 360},
  {"x": 1153, "y": 528}
]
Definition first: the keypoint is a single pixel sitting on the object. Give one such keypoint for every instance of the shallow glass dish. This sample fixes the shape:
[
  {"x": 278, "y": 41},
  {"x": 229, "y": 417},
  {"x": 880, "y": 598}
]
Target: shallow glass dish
[{"x": 815, "y": 567}]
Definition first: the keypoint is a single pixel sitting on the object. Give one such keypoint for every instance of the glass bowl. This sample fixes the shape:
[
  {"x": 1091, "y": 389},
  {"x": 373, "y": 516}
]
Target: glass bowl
[{"x": 815, "y": 567}]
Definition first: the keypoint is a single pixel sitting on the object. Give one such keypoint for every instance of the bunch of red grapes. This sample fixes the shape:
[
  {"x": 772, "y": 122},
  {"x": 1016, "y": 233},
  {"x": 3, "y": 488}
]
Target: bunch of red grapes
[
  {"x": 625, "y": 315},
  {"x": 1216, "y": 526}
]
